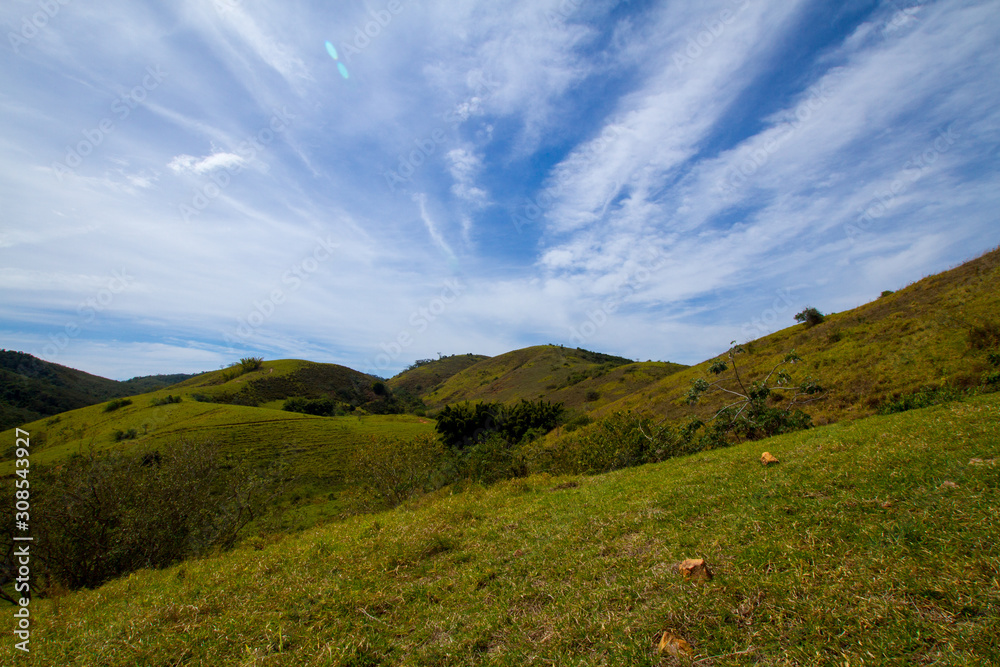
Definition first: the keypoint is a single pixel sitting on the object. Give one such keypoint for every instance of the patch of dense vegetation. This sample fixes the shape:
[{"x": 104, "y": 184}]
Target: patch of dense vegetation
[
  {"x": 465, "y": 425},
  {"x": 98, "y": 516}
]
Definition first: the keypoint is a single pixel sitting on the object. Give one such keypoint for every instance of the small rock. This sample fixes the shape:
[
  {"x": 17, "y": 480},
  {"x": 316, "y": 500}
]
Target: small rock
[
  {"x": 982, "y": 462},
  {"x": 696, "y": 569},
  {"x": 949, "y": 485},
  {"x": 767, "y": 459},
  {"x": 674, "y": 645}
]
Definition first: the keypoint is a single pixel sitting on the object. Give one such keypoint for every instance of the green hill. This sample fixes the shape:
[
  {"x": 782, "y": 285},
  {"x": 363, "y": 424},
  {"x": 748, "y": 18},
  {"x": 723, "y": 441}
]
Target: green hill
[
  {"x": 31, "y": 388},
  {"x": 425, "y": 375},
  {"x": 579, "y": 378},
  {"x": 240, "y": 413},
  {"x": 872, "y": 542},
  {"x": 932, "y": 334},
  {"x": 276, "y": 381}
]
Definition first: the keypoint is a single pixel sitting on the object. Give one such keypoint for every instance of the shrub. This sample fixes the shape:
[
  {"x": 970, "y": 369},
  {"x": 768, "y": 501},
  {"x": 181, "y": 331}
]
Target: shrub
[
  {"x": 168, "y": 400},
  {"x": 577, "y": 422},
  {"x": 984, "y": 336},
  {"x": 99, "y": 516},
  {"x": 111, "y": 406},
  {"x": 463, "y": 425},
  {"x": 593, "y": 395},
  {"x": 322, "y": 407},
  {"x": 886, "y": 293},
  {"x": 390, "y": 470},
  {"x": 748, "y": 416},
  {"x": 810, "y": 316},
  {"x": 249, "y": 364},
  {"x": 621, "y": 440},
  {"x": 120, "y": 435}
]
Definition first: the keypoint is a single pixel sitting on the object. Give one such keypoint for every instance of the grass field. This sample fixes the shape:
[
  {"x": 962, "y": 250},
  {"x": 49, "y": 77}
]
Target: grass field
[
  {"x": 579, "y": 379},
  {"x": 872, "y": 542},
  {"x": 921, "y": 336},
  {"x": 315, "y": 447}
]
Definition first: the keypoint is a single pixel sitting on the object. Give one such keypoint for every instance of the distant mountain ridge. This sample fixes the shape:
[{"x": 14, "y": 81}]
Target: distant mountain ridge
[{"x": 31, "y": 388}]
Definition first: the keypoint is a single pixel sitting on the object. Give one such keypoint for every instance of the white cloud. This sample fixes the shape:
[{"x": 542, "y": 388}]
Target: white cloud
[{"x": 190, "y": 164}]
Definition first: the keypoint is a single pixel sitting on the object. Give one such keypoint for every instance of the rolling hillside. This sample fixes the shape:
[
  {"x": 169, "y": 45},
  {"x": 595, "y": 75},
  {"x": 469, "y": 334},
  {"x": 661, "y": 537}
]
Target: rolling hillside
[
  {"x": 871, "y": 543},
  {"x": 278, "y": 380},
  {"x": 240, "y": 413},
  {"x": 578, "y": 378},
  {"x": 31, "y": 388},
  {"x": 934, "y": 333},
  {"x": 428, "y": 374}
]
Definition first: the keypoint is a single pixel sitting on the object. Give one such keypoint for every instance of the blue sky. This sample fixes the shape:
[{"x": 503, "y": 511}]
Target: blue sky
[{"x": 185, "y": 183}]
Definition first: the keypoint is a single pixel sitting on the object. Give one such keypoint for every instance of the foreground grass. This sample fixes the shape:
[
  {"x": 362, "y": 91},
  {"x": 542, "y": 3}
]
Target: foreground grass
[{"x": 871, "y": 543}]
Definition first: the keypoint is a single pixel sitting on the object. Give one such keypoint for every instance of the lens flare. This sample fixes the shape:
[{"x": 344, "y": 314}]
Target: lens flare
[{"x": 341, "y": 67}]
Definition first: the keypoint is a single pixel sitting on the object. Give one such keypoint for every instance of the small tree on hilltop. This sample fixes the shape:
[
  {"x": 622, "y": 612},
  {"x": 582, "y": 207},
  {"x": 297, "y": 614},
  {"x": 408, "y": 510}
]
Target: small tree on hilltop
[
  {"x": 748, "y": 416},
  {"x": 810, "y": 316}
]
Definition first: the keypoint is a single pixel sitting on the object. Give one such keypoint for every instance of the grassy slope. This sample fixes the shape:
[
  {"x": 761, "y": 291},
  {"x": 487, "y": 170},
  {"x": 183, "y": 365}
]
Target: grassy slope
[
  {"x": 313, "y": 445},
  {"x": 544, "y": 371},
  {"x": 852, "y": 550},
  {"x": 278, "y": 380},
  {"x": 425, "y": 378},
  {"x": 915, "y": 338},
  {"x": 31, "y": 388}
]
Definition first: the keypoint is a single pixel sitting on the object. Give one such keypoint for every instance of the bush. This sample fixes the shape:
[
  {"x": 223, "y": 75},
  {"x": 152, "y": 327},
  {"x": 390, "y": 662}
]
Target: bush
[
  {"x": 810, "y": 316},
  {"x": 249, "y": 364},
  {"x": 111, "y": 406},
  {"x": 168, "y": 400},
  {"x": 464, "y": 425},
  {"x": 120, "y": 435},
  {"x": 985, "y": 336},
  {"x": 321, "y": 407},
  {"x": 886, "y": 293},
  {"x": 621, "y": 440},
  {"x": 592, "y": 395},
  {"x": 920, "y": 399},
  {"x": 391, "y": 470},
  {"x": 99, "y": 516},
  {"x": 748, "y": 416},
  {"x": 577, "y": 422}
]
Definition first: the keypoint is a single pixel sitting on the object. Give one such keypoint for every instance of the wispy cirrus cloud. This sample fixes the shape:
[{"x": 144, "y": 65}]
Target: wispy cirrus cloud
[{"x": 720, "y": 151}]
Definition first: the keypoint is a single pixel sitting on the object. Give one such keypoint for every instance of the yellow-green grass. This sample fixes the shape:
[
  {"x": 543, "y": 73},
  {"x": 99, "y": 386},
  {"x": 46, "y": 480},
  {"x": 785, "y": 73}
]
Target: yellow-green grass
[
  {"x": 313, "y": 446},
  {"x": 546, "y": 372},
  {"x": 873, "y": 542},
  {"x": 276, "y": 381},
  {"x": 424, "y": 378},
  {"x": 916, "y": 338}
]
